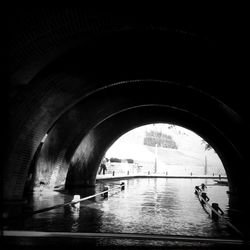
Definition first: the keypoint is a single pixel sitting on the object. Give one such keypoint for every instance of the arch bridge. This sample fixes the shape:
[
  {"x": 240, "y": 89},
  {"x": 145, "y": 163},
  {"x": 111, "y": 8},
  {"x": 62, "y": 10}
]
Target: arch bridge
[{"x": 85, "y": 77}]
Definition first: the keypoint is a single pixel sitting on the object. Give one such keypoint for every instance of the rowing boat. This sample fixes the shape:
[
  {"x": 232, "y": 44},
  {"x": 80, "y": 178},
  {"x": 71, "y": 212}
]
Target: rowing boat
[
  {"x": 222, "y": 182},
  {"x": 198, "y": 194}
]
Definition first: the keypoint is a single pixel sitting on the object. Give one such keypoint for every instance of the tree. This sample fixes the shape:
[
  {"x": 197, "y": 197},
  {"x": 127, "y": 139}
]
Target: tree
[
  {"x": 207, "y": 145},
  {"x": 162, "y": 140}
]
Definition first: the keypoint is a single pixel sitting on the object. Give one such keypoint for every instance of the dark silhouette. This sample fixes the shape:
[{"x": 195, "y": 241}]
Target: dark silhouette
[
  {"x": 216, "y": 207},
  {"x": 103, "y": 166},
  {"x": 205, "y": 198},
  {"x": 197, "y": 190},
  {"x": 203, "y": 187}
]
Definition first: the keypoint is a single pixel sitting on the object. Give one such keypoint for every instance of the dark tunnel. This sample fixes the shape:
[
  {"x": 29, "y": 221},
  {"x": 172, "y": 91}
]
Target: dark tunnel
[{"x": 88, "y": 77}]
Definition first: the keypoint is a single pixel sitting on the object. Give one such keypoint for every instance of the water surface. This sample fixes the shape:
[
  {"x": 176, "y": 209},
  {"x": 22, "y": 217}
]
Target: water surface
[{"x": 147, "y": 205}]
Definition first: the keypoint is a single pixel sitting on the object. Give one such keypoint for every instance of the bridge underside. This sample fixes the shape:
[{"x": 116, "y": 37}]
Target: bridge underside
[{"x": 85, "y": 79}]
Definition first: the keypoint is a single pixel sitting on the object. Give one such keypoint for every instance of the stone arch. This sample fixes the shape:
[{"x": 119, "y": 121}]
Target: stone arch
[{"x": 90, "y": 114}]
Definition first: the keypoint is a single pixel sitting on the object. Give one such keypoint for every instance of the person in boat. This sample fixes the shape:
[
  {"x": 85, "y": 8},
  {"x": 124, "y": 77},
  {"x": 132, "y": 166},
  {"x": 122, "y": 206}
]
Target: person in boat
[
  {"x": 197, "y": 190},
  {"x": 217, "y": 208},
  {"x": 203, "y": 187},
  {"x": 205, "y": 198}
]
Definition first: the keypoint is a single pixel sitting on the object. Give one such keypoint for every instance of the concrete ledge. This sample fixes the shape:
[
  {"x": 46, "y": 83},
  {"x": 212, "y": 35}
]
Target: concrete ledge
[
  {"x": 121, "y": 177},
  {"x": 118, "y": 177}
]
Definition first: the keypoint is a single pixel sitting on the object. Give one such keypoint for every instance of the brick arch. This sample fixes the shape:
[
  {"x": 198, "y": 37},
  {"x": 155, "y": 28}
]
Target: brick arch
[
  {"x": 101, "y": 137},
  {"x": 40, "y": 36},
  {"x": 60, "y": 57},
  {"x": 82, "y": 121},
  {"x": 42, "y": 93}
]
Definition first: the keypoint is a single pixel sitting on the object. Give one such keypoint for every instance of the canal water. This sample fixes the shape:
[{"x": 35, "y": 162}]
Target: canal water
[{"x": 147, "y": 205}]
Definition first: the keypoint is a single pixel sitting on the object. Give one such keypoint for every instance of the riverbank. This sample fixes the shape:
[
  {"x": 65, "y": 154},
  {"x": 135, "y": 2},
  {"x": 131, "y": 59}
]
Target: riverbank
[{"x": 130, "y": 176}]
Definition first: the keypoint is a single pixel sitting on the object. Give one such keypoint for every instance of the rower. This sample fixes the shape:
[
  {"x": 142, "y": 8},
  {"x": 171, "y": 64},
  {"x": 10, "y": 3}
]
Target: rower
[
  {"x": 197, "y": 190},
  {"x": 216, "y": 207},
  {"x": 205, "y": 197},
  {"x": 203, "y": 187}
]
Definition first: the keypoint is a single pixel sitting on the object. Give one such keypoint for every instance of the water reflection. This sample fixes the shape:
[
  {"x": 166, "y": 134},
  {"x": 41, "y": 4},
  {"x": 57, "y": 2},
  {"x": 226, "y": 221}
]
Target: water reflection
[
  {"x": 157, "y": 206},
  {"x": 73, "y": 213},
  {"x": 165, "y": 207}
]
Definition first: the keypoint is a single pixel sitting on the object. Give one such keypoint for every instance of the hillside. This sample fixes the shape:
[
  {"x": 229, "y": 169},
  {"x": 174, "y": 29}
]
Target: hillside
[
  {"x": 176, "y": 157},
  {"x": 171, "y": 160},
  {"x": 189, "y": 157}
]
